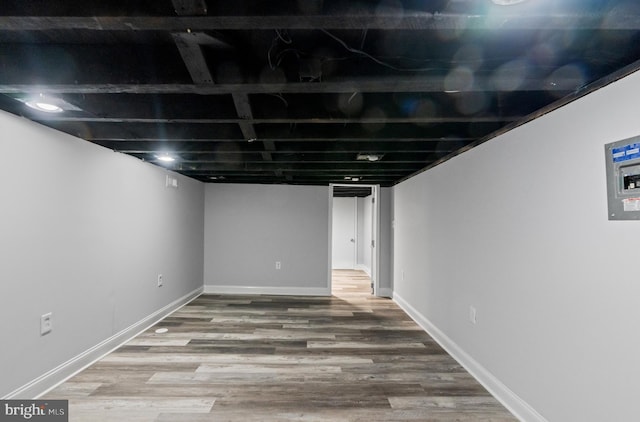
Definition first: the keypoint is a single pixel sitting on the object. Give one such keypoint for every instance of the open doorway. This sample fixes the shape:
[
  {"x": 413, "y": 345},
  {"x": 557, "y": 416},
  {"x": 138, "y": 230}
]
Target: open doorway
[{"x": 353, "y": 233}]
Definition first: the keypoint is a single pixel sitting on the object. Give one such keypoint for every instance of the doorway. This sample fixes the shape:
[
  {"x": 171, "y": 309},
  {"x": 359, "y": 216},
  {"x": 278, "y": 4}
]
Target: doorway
[
  {"x": 344, "y": 249},
  {"x": 353, "y": 230}
]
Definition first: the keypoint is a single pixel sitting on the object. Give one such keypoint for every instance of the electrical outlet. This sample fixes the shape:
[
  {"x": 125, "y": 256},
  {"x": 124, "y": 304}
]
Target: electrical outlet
[
  {"x": 46, "y": 323},
  {"x": 278, "y": 265},
  {"x": 160, "y": 282},
  {"x": 472, "y": 315},
  {"x": 402, "y": 275}
]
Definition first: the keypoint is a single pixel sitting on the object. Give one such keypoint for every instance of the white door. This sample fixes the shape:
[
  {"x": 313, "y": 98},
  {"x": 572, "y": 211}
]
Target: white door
[{"x": 344, "y": 234}]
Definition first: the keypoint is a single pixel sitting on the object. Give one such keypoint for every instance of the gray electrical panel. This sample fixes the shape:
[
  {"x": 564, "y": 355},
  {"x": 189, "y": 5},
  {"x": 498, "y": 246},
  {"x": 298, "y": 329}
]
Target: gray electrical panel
[{"x": 623, "y": 179}]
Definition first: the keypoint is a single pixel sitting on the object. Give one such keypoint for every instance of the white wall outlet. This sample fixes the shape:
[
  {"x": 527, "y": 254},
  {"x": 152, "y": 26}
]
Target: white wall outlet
[
  {"x": 472, "y": 315},
  {"x": 278, "y": 265},
  {"x": 160, "y": 281},
  {"x": 46, "y": 323}
]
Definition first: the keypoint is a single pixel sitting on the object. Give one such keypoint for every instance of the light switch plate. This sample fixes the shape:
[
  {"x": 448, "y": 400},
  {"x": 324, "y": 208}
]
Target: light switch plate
[{"x": 46, "y": 323}]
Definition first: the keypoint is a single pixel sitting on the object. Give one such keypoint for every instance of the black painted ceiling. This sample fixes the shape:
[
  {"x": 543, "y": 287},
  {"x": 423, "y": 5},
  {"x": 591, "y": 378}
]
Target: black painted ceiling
[{"x": 279, "y": 91}]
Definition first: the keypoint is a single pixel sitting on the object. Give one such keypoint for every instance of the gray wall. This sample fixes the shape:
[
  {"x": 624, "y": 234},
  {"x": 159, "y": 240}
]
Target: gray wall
[
  {"x": 84, "y": 233},
  {"x": 250, "y": 227},
  {"x": 518, "y": 228}
]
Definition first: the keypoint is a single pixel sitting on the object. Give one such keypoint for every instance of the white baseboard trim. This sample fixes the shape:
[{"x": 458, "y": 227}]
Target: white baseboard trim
[
  {"x": 258, "y": 290},
  {"x": 364, "y": 268},
  {"x": 521, "y": 409},
  {"x": 66, "y": 370},
  {"x": 385, "y": 292}
]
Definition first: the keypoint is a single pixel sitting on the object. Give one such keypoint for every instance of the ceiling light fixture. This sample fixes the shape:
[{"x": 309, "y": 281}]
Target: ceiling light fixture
[
  {"x": 45, "y": 106},
  {"x": 46, "y": 103},
  {"x": 166, "y": 158},
  {"x": 369, "y": 157}
]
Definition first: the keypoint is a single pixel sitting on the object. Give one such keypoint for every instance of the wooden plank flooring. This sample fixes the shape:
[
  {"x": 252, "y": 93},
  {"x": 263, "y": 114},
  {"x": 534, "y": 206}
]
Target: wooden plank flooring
[{"x": 351, "y": 357}]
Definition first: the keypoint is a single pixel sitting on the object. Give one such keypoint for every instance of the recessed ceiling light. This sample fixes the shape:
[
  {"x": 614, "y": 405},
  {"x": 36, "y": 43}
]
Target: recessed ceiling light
[
  {"x": 45, "y": 106},
  {"x": 166, "y": 158},
  {"x": 216, "y": 177},
  {"x": 369, "y": 157}
]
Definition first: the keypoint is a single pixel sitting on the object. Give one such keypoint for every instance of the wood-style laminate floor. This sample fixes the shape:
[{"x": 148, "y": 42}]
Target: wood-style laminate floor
[{"x": 350, "y": 357}]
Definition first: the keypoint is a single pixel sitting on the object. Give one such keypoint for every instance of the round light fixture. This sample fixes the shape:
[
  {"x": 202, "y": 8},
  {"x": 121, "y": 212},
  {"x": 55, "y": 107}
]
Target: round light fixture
[
  {"x": 166, "y": 158},
  {"x": 368, "y": 157},
  {"x": 45, "y": 106},
  {"x": 162, "y": 330}
]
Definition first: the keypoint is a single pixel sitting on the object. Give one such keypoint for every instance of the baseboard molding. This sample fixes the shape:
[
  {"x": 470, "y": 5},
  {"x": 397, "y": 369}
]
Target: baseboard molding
[
  {"x": 364, "y": 268},
  {"x": 63, "y": 372},
  {"x": 264, "y": 290},
  {"x": 521, "y": 409}
]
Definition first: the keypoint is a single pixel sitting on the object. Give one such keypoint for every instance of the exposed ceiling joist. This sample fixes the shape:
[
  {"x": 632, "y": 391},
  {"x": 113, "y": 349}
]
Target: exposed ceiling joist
[
  {"x": 362, "y": 85},
  {"x": 314, "y": 120},
  {"x": 498, "y": 20},
  {"x": 193, "y": 58},
  {"x": 243, "y": 108},
  {"x": 317, "y": 92},
  {"x": 398, "y": 141},
  {"x": 380, "y": 166}
]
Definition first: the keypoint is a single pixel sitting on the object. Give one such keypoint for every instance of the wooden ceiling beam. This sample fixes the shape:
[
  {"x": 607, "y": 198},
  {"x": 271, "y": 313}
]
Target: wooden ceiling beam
[
  {"x": 379, "y": 166},
  {"x": 421, "y": 84},
  {"x": 245, "y": 114},
  {"x": 193, "y": 58},
  {"x": 398, "y": 141},
  {"x": 280, "y": 120},
  {"x": 220, "y": 155},
  {"x": 500, "y": 21},
  {"x": 297, "y": 162}
]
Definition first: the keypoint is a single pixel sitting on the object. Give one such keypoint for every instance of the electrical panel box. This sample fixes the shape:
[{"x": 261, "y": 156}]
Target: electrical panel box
[{"x": 623, "y": 179}]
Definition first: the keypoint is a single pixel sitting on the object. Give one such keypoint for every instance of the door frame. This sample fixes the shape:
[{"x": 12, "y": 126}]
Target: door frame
[{"x": 375, "y": 235}]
